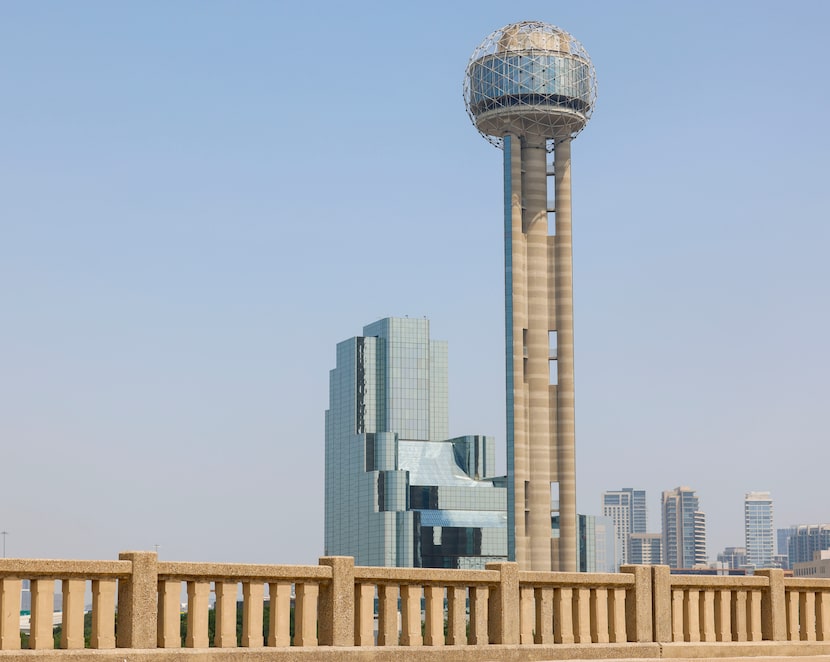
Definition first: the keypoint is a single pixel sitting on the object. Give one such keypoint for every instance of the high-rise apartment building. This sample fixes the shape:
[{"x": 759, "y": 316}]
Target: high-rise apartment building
[
  {"x": 806, "y": 540},
  {"x": 645, "y": 549},
  {"x": 627, "y": 509},
  {"x": 758, "y": 529},
  {"x": 684, "y": 529},
  {"x": 397, "y": 491}
]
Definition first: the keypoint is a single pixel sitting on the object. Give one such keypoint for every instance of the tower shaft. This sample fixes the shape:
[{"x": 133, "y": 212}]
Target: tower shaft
[{"x": 540, "y": 386}]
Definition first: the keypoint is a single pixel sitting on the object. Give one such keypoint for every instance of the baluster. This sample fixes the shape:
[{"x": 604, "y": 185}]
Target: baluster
[
  {"x": 544, "y": 615},
  {"x": 103, "y": 614},
  {"x": 457, "y": 616},
  {"x": 43, "y": 601},
  {"x": 616, "y": 607},
  {"x": 691, "y": 615},
  {"x": 253, "y": 599},
  {"x": 224, "y": 635},
  {"x": 10, "y": 614},
  {"x": 739, "y": 616},
  {"x": 563, "y": 620},
  {"x": 72, "y": 624},
  {"x": 677, "y": 614},
  {"x": 198, "y": 595},
  {"x": 823, "y": 616},
  {"x": 582, "y": 615},
  {"x": 279, "y": 618},
  {"x": 723, "y": 615},
  {"x": 169, "y": 606},
  {"x": 364, "y": 615},
  {"x": 793, "y": 633},
  {"x": 807, "y": 607},
  {"x": 434, "y": 635},
  {"x": 527, "y": 615},
  {"x": 707, "y": 615},
  {"x": 411, "y": 616},
  {"x": 478, "y": 615},
  {"x": 305, "y": 614},
  {"x": 388, "y": 615},
  {"x": 599, "y": 615},
  {"x": 753, "y": 608}
]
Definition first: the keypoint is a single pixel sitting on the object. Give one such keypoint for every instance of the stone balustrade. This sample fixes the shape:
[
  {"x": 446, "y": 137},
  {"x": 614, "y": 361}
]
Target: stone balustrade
[{"x": 641, "y": 612}]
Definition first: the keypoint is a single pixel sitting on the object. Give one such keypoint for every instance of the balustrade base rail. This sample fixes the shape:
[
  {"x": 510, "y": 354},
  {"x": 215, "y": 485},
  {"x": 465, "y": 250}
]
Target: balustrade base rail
[{"x": 734, "y": 652}]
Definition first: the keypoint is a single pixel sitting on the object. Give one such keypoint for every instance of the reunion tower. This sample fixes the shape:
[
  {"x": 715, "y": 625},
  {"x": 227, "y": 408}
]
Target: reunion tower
[{"x": 530, "y": 88}]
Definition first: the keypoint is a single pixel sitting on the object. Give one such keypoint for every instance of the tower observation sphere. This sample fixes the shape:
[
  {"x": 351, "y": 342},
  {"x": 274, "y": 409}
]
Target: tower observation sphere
[
  {"x": 530, "y": 78},
  {"x": 529, "y": 89}
]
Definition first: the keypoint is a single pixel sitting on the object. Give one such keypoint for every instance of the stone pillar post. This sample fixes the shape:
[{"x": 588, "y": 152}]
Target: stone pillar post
[
  {"x": 138, "y": 602},
  {"x": 336, "y": 617},
  {"x": 661, "y": 592},
  {"x": 773, "y": 606},
  {"x": 503, "y": 606},
  {"x": 638, "y": 610}
]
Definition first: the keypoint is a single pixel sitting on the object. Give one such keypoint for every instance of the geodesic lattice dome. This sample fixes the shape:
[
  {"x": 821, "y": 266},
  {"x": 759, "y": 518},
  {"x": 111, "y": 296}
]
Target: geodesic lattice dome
[{"x": 530, "y": 78}]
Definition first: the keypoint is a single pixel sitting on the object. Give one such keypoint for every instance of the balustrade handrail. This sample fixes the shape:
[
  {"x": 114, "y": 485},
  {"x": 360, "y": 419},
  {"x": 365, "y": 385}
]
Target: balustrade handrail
[
  {"x": 425, "y": 576},
  {"x": 185, "y": 570},
  {"x": 739, "y": 582},
  {"x": 64, "y": 569},
  {"x": 807, "y": 583},
  {"x": 576, "y": 579}
]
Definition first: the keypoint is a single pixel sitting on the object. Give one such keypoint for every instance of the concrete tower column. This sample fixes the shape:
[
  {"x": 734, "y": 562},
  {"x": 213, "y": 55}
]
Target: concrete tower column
[
  {"x": 535, "y": 195},
  {"x": 563, "y": 297},
  {"x": 518, "y": 456}
]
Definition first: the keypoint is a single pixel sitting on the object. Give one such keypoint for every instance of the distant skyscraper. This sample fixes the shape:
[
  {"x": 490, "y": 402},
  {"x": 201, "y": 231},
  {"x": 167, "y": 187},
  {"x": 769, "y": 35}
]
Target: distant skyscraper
[
  {"x": 627, "y": 509},
  {"x": 397, "y": 491},
  {"x": 645, "y": 549},
  {"x": 530, "y": 88},
  {"x": 733, "y": 558},
  {"x": 595, "y": 546},
  {"x": 783, "y": 545},
  {"x": 806, "y": 540},
  {"x": 819, "y": 567},
  {"x": 758, "y": 529},
  {"x": 684, "y": 529}
]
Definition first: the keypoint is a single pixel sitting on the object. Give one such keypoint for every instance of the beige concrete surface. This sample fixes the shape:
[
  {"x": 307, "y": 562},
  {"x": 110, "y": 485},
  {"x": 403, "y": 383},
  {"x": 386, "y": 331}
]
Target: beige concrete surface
[
  {"x": 624, "y": 653},
  {"x": 542, "y": 303},
  {"x": 565, "y": 413},
  {"x": 513, "y": 614}
]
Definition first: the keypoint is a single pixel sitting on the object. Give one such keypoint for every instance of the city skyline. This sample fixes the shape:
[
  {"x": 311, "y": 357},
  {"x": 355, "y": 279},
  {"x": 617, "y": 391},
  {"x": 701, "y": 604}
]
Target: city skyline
[{"x": 174, "y": 280}]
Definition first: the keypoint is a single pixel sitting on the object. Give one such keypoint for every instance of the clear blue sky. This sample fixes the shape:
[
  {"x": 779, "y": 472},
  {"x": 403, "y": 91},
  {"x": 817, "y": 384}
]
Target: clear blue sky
[{"x": 199, "y": 200}]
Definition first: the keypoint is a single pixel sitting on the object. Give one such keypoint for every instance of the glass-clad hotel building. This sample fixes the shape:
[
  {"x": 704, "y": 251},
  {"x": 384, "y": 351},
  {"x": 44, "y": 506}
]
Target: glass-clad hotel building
[{"x": 398, "y": 492}]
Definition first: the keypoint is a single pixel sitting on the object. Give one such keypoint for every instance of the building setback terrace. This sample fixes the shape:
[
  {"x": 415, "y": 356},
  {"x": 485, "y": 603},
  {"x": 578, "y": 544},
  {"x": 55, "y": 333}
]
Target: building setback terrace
[{"x": 340, "y": 611}]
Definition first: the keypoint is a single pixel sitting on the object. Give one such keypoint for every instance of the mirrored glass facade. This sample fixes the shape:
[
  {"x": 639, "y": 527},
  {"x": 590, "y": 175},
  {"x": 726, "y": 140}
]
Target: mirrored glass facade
[{"x": 398, "y": 492}]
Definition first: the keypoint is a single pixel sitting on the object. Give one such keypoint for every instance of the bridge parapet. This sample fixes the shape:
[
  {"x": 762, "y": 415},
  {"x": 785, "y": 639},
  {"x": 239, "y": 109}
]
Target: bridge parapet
[{"x": 335, "y": 605}]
